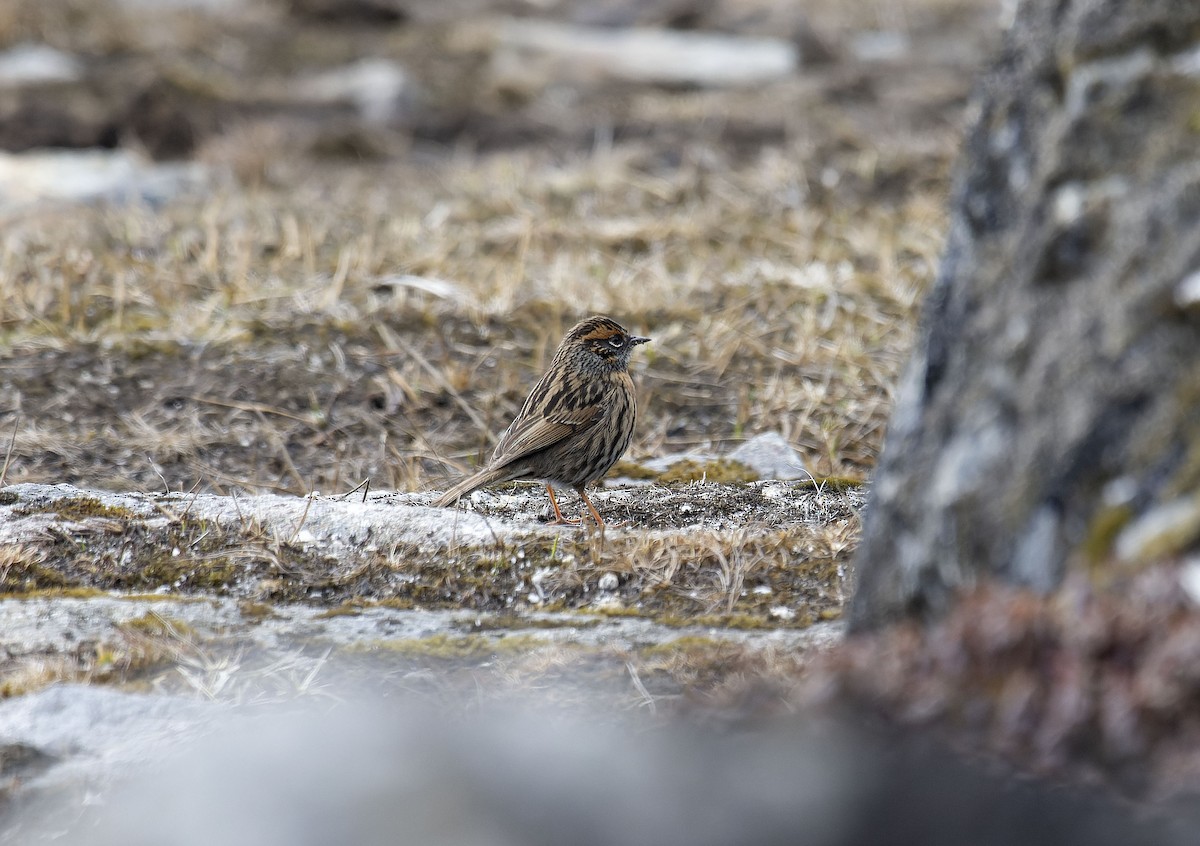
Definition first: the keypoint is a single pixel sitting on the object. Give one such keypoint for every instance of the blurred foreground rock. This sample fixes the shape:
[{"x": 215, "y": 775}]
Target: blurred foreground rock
[
  {"x": 367, "y": 772},
  {"x": 1048, "y": 419}
]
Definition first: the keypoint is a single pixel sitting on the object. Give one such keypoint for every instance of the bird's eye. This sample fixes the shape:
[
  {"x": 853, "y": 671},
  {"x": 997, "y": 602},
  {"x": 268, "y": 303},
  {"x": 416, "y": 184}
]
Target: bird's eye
[{"x": 616, "y": 342}]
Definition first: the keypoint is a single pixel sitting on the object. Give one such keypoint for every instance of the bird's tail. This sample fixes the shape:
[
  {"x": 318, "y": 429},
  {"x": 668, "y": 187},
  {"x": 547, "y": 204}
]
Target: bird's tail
[{"x": 486, "y": 476}]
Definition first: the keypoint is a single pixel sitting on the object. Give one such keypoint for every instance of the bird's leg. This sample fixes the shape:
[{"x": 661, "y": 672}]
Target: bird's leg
[
  {"x": 591, "y": 508},
  {"x": 559, "y": 519}
]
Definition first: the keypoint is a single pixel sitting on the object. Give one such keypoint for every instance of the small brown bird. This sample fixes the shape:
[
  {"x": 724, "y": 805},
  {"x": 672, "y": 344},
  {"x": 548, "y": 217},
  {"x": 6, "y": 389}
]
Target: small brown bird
[{"x": 576, "y": 422}]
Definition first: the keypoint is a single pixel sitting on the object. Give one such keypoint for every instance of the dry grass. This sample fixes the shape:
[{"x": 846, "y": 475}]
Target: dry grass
[
  {"x": 312, "y": 321},
  {"x": 308, "y": 322},
  {"x": 412, "y": 289}
]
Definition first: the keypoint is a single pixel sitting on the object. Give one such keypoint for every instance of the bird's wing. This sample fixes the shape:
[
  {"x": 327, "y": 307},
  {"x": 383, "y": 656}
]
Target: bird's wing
[{"x": 535, "y": 432}]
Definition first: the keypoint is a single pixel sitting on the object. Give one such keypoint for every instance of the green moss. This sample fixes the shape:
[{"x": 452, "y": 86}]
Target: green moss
[
  {"x": 1186, "y": 477},
  {"x": 140, "y": 349},
  {"x": 688, "y": 643},
  {"x": 720, "y": 621},
  {"x": 346, "y": 609},
  {"x": 165, "y": 568},
  {"x": 79, "y": 508},
  {"x": 719, "y": 470},
  {"x": 1102, "y": 533},
  {"x": 833, "y": 484},
  {"x": 186, "y": 555},
  {"x": 478, "y": 579},
  {"x": 156, "y": 625},
  {"x": 632, "y": 470},
  {"x": 445, "y": 647},
  {"x": 55, "y": 593},
  {"x": 255, "y": 611},
  {"x": 621, "y": 611},
  {"x": 504, "y": 622},
  {"x": 23, "y": 577},
  {"x": 156, "y": 597},
  {"x": 399, "y": 603}
]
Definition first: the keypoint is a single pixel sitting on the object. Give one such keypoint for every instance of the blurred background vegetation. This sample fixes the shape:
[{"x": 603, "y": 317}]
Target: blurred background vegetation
[{"x": 347, "y": 233}]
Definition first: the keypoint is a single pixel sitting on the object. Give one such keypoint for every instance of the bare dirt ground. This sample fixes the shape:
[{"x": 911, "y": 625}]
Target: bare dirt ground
[{"x": 349, "y": 301}]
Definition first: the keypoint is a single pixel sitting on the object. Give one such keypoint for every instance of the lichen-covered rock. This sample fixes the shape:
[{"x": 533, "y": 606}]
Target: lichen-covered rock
[{"x": 1053, "y": 402}]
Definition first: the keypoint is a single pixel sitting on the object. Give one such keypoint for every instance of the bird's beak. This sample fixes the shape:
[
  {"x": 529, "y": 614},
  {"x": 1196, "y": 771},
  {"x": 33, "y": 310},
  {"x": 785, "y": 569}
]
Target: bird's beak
[{"x": 635, "y": 340}]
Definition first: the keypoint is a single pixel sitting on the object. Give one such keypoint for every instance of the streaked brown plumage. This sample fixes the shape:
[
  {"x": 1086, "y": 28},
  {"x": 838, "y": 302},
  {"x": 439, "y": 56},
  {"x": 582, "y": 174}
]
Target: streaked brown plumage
[{"x": 576, "y": 422}]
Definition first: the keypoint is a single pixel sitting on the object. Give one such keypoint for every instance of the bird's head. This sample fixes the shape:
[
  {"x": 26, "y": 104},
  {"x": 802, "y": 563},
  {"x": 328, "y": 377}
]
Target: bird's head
[{"x": 603, "y": 338}]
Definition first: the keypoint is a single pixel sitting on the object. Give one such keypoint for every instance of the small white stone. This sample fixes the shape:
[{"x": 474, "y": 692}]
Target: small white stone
[
  {"x": 763, "y": 590},
  {"x": 1120, "y": 490},
  {"x": 608, "y": 582},
  {"x": 1068, "y": 203},
  {"x": 1187, "y": 292},
  {"x": 782, "y": 612},
  {"x": 305, "y": 536},
  {"x": 1189, "y": 578},
  {"x": 771, "y": 457}
]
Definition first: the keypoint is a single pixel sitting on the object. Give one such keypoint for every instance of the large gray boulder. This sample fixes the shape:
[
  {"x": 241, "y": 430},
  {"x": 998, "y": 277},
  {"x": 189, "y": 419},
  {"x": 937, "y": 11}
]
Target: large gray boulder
[{"x": 1050, "y": 416}]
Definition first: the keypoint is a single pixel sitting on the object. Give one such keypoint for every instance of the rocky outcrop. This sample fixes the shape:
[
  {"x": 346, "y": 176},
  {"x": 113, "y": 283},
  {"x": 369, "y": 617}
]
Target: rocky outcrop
[{"x": 1050, "y": 418}]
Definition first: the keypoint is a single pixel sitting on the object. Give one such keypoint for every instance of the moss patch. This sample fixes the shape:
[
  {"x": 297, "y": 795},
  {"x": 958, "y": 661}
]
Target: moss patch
[
  {"x": 26, "y": 569},
  {"x": 157, "y": 625},
  {"x": 502, "y": 622},
  {"x": 454, "y": 648},
  {"x": 717, "y": 470},
  {"x": 346, "y": 609},
  {"x": 255, "y": 611},
  {"x": 833, "y": 484},
  {"x": 632, "y": 470},
  {"x": 55, "y": 593},
  {"x": 78, "y": 508},
  {"x": 1106, "y": 525}
]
